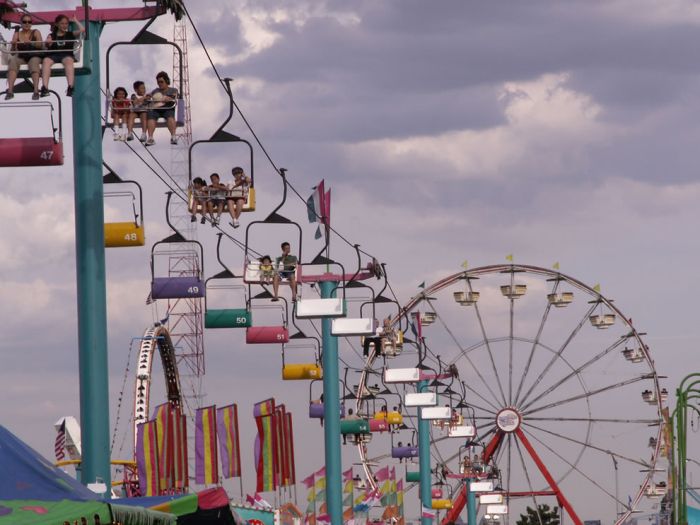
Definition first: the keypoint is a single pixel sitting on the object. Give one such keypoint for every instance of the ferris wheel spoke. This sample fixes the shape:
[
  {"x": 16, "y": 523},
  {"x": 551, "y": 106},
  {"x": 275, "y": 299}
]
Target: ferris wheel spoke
[
  {"x": 588, "y": 394},
  {"x": 575, "y": 468},
  {"x": 589, "y": 445},
  {"x": 510, "y": 340},
  {"x": 490, "y": 352},
  {"x": 464, "y": 353},
  {"x": 509, "y": 446},
  {"x": 575, "y": 372},
  {"x": 494, "y": 409},
  {"x": 558, "y": 354},
  {"x": 526, "y": 369},
  {"x": 529, "y": 482},
  {"x": 596, "y": 420}
]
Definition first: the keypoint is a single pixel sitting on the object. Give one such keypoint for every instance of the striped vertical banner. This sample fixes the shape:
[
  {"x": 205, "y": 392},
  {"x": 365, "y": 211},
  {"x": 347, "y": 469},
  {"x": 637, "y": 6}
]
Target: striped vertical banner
[
  {"x": 266, "y": 447},
  {"x": 283, "y": 463},
  {"x": 163, "y": 416},
  {"x": 180, "y": 463},
  {"x": 147, "y": 458},
  {"x": 399, "y": 499},
  {"x": 206, "y": 464},
  {"x": 289, "y": 431},
  {"x": 229, "y": 441}
]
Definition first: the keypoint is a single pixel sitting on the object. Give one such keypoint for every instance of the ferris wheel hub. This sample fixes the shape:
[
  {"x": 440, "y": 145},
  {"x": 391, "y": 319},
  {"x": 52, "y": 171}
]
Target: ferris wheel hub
[{"x": 508, "y": 420}]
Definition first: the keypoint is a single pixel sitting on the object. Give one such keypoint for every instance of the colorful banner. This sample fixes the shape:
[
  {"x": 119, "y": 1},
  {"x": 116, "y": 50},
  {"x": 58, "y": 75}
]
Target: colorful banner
[
  {"x": 147, "y": 458},
  {"x": 180, "y": 465},
  {"x": 206, "y": 464},
  {"x": 282, "y": 466},
  {"x": 265, "y": 446},
  {"x": 163, "y": 416},
  {"x": 229, "y": 441},
  {"x": 289, "y": 432}
]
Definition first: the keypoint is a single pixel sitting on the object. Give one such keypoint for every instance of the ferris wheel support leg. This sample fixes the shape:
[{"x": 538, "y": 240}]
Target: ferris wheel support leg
[
  {"x": 331, "y": 414},
  {"x": 561, "y": 499},
  {"x": 426, "y": 497},
  {"x": 90, "y": 270}
]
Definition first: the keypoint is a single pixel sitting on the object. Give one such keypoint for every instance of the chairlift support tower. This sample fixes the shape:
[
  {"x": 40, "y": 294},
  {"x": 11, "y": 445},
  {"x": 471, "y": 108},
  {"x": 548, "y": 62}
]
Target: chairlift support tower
[
  {"x": 89, "y": 228},
  {"x": 185, "y": 320}
]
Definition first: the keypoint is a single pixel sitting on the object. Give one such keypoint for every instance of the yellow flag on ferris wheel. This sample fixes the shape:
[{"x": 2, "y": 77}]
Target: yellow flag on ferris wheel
[
  {"x": 596, "y": 288},
  {"x": 509, "y": 257}
]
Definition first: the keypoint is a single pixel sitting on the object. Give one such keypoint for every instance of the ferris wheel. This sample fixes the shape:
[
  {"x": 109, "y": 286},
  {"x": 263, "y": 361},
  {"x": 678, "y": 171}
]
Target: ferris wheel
[{"x": 535, "y": 383}]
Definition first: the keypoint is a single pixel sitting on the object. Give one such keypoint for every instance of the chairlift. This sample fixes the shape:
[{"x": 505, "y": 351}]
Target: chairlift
[
  {"x": 407, "y": 451},
  {"x": 221, "y": 136},
  {"x": 224, "y": 281},
  {"x": 184, "y": 286},
  {"x": 268, "y": 334},
  {"x": 251, "y": 271},
  {"x": 82, "y": 57},
  {"x": 305, "y": 370},
  {"x": 321, "y": 308},
  {"x": 125, "y": 233},
  {"x": 316, "y": 406},
  {"x": 145, "y": 37},
  {"x": 46, "y": 150}
]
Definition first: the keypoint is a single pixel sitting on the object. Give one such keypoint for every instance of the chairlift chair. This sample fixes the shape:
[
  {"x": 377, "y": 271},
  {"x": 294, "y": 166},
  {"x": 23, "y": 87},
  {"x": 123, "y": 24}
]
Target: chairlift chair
[
  {"x": 305, "y": 370},
  {"x": 81, "y": 55},
  {"x": 179, "y": 286},
  {"x": 145, "y": 37},
  {"x": 46, "y": 150},
  {"x": 268, "y": 334},
  {"x": 225, "y": 281},
  {"x": 125, "y": 233}
]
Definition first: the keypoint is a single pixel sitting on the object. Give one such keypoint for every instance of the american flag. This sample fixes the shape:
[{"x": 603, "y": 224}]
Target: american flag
[{"x": 59, "y": 446}]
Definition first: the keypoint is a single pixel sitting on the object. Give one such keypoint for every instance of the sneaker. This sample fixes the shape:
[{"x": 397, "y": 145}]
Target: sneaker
[
  {"x": 9, "y": 96},
  {"x": 69, "y": 91},
  {"x": 193, "y": 219},
  {"x": 116, "y": 137},
  {"x": 214, "y": 223},
  {"x": 35, "y": 95},
  {"x": 44, "y": 92},
  {"x": 204, "y": 220},
  {"x": 236, "y": 224},
  {"x": 150, "y": 141},
  {"x": 173, "y": 140},
  {"x": 130, "y": 136},
  {"x": 143, "y": 137},
  {"x": 275, "y": 299}
]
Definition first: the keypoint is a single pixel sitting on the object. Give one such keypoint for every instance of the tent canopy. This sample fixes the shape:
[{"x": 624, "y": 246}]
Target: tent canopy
[{"x": 33, "y": 477}]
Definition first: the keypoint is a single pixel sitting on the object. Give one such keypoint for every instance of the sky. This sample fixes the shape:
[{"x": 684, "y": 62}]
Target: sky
[{"x": 448, "y": 131}]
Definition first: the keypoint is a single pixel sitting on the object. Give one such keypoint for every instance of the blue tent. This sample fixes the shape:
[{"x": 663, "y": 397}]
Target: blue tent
[{"x": 27, "y": 475}]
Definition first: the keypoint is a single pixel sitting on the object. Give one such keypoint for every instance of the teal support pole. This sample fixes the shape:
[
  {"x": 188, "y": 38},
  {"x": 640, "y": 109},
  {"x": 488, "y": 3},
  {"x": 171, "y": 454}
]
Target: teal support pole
[
  {"x": 471, "y": 503},
  {"x": 426, "y": 496},
  {"x": 90, "y": 269},
  {"x": 331, "y": 414}
]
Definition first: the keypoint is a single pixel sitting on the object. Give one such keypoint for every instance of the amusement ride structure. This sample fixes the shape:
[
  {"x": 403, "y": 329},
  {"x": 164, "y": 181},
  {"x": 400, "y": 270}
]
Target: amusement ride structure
[{"x": 496, "y": 387}]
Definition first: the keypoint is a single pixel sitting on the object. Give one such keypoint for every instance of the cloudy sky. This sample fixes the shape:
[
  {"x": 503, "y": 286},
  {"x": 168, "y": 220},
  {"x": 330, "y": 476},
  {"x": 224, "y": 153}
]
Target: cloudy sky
[{"x": 555, "y": 131}]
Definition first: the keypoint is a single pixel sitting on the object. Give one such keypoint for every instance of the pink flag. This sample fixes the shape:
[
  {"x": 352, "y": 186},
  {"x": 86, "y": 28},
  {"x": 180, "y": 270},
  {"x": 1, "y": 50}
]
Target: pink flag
[
  {"x": 382, "y": 474},
  {"x": 308, "y": 482},
  {"x": 347, "y": 475}
]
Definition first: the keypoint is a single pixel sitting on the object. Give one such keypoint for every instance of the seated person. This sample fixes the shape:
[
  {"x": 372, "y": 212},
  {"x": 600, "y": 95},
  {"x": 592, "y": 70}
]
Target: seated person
[
  {"x": 60, "y": 45},
  {"x": 162, "y": 102},
  {"x": 121, "y": 107},
  {"x": 267, "y": 272},
  {"x": 217, "y": 197},
  {"x": 286, "y": 265},
  {"x": 199, "y": 199},
  {"x": 27, "y": 45},
  {"x": 238, "y": 194},
  {"x": 139, "y": 109}
]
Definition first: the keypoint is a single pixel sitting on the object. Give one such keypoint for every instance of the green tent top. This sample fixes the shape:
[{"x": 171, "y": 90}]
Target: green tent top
[{"x": 35, "y": 512}]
